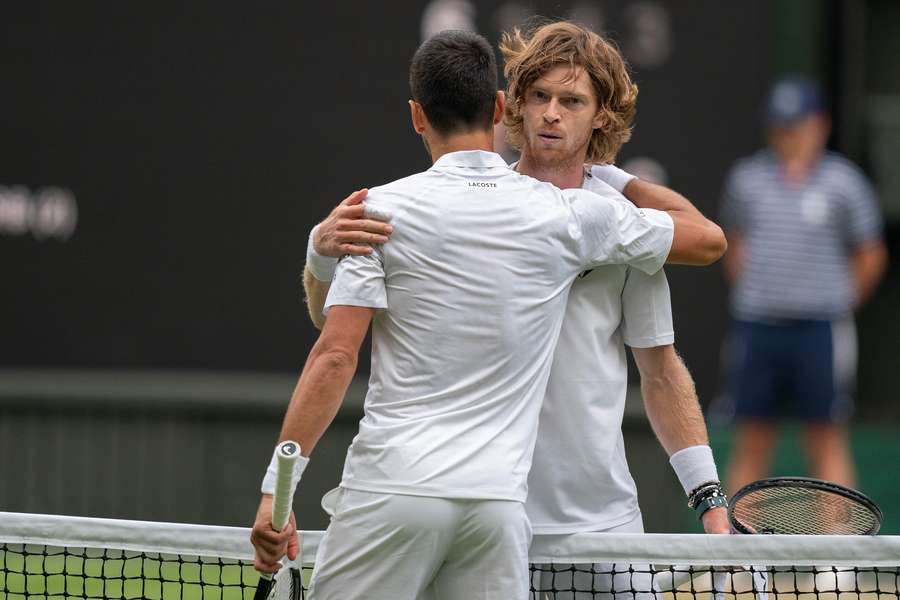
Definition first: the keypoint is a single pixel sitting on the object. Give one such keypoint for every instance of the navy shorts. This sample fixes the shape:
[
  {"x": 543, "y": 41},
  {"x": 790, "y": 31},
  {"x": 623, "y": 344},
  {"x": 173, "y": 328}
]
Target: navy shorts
[{"x": 803, "y": 369}]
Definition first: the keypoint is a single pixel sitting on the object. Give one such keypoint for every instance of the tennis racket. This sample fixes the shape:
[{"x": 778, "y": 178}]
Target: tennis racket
[
  {"x": 802, "y": 506},
  {"x": 286, "y": 584}
]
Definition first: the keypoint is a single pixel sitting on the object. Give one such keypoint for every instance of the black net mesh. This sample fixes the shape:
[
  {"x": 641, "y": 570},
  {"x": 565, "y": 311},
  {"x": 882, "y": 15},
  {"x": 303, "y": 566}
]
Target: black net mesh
[
  {"x": 30, "y": 571},
  {"x": 658, "y": 582},
  {"x": 49, "y": 572}
]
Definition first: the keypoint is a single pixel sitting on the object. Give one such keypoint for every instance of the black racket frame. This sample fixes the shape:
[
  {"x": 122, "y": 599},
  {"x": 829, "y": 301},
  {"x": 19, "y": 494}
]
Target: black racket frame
[{"x": 264, "y": 586}]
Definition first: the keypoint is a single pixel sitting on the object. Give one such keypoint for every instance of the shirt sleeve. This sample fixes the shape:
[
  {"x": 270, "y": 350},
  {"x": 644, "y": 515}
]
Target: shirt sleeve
[
  {"x": 863, "y": 217},
  {"x": 358, "y": 281},
  {"x": 647, "y": 310},
  {"x": 610, "y": 230}
]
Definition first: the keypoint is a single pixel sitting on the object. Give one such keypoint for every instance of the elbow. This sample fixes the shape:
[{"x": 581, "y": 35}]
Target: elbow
[
  {"x": 337, "y": 359},
  {"x": 716, "y": 245},
  {"x": 702, "y": 243},
  {"x": 709, "y": 246}
]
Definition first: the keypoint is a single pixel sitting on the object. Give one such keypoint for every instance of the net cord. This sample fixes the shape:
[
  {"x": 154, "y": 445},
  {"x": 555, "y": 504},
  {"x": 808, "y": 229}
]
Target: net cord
[{"x": 682, "y": 549}]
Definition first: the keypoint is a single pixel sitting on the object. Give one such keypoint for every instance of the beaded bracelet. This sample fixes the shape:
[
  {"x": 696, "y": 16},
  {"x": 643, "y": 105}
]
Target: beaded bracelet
[{"x": 702, "y": 491}]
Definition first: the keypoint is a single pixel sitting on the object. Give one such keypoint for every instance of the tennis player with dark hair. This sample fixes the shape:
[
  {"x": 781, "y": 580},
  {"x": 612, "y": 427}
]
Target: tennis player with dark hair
[
  {"x": 466, "y": 303},
  {"x": 571, "y": 106}
]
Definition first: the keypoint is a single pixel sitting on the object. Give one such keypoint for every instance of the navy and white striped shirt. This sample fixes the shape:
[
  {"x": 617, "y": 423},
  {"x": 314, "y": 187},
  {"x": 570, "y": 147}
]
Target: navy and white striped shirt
[{"x": 797, "y": 237}]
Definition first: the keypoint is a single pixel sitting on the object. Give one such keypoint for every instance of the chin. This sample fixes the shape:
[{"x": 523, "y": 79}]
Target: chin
[
  {"x": 541, "y": 150},
  {"x": 553, "y": 155}
]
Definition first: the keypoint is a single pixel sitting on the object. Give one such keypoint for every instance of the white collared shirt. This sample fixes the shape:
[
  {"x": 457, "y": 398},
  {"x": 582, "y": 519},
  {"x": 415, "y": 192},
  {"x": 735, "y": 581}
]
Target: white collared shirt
[
  {"x": 579, "y": 478},
  {"x": 472, "y": 290}
]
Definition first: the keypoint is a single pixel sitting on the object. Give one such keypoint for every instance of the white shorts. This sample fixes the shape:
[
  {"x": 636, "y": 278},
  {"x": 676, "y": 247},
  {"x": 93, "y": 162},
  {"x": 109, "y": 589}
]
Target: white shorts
[
  {"x": 600, "y": 581},
  {"x": 396, "y": 547}
]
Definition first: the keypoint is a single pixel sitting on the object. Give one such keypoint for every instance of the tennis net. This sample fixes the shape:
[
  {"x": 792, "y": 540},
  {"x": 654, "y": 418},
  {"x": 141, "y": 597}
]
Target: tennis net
[{"x": 55, "y": 557}]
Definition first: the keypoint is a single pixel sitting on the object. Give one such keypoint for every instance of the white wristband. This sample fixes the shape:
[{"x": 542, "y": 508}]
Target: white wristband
[
  {"x": 321, "y": 267},
  {"x": 694, "y": 466},
  {"x": 268, "y": 482},
  {"x": 613, "y": 176}
]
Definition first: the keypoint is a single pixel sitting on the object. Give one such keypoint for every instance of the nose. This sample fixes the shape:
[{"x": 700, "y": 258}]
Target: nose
[{"x": 551, "y": 113}]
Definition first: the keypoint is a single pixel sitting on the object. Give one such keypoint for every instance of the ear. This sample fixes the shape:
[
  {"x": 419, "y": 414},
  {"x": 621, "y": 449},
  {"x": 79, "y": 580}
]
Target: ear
[
  {"x": 599, "y": 120},
  {"x": 418, "y": 117},
  {"x": 499, "y": 106}
]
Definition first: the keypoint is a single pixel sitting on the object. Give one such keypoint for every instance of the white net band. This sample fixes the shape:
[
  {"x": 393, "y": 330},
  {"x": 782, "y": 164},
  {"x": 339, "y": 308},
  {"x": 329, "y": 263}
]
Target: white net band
[{"x": 47, "y": 556}]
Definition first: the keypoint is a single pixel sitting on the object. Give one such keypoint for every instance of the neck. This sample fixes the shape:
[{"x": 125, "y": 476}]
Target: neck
[
  {"x": 797, "y": 169},
  {"x": 458, "y": 142},
  {"x": 563, "y": 174}
]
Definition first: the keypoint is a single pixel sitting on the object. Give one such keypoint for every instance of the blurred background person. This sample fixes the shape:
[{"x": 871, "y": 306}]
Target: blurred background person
[{"x": 805, "y": 250}]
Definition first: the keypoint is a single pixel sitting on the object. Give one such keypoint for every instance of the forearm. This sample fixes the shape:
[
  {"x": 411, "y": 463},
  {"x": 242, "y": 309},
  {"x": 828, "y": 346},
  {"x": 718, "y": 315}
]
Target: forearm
[
  {"x": 697, "y": 241},
  {"x": 649, "y": 195},
  {"x": 316, "y": 292},
  {"x": 671, "y": 403},
  {"x": 868, "y": 264},
  {"x": 674, "y": 412},
  {"x": 703, "y": 241},
  {"x": 318, "y": 395},
  {"x": 312, "y": 408}
]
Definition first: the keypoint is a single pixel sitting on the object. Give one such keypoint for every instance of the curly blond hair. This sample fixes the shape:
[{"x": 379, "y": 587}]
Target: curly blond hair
[{"x": 529, "y": 55}]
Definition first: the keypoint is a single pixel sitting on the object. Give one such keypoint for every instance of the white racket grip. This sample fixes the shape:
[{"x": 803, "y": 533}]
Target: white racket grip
[{"x": 289, "y": 466}]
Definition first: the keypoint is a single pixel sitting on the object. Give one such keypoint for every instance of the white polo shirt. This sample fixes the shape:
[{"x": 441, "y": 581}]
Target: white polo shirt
[
  {"x": 473, "y": 287},
  {"x": 579, "y": 478}
]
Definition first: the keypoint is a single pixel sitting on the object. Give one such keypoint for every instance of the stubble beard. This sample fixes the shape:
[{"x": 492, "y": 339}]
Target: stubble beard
[{"x": 557, "y": 162}]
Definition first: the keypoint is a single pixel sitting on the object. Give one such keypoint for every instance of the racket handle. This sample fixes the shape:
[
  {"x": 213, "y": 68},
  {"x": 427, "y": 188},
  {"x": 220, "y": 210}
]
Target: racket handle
[
  {"x": 287, "y": 452},
  {"x": 263, "y": 586}
]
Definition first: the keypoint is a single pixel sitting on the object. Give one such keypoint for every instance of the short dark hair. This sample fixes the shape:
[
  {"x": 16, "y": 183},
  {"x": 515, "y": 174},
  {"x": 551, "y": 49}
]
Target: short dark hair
[{"x": 453, "y": 76}]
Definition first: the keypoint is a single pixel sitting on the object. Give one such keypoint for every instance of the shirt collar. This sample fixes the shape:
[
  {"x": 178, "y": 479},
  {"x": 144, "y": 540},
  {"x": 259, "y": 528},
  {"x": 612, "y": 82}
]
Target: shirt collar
[
  {"x": 471, "y": 159},
  {"x": 588, "y": 175}
]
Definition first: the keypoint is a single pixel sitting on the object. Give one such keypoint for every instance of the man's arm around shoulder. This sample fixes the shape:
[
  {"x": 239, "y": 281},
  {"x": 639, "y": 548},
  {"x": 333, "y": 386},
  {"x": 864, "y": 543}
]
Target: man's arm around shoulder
[
  {"x": 698, "y": 241},
  {"x": 348, "y": 230}
]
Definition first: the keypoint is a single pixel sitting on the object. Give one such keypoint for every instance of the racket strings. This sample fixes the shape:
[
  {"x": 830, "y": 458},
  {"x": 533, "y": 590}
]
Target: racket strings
[{"x": 795, "y": 510}]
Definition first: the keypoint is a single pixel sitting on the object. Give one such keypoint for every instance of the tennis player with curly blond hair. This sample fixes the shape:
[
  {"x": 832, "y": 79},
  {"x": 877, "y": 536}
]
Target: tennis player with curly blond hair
[
  {"x": 571, "y": 104},
  {"x": 570, "y": 107}
]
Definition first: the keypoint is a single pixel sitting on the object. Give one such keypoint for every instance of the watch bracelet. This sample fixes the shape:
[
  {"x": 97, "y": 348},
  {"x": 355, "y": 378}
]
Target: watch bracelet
[{"x": 710, "y": 502}]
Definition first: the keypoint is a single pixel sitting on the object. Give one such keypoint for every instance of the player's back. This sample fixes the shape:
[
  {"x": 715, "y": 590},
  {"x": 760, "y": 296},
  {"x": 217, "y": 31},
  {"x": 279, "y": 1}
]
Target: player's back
[
  {"x": 474, "y": 263},
  {"x": 473, "y": 285}
]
